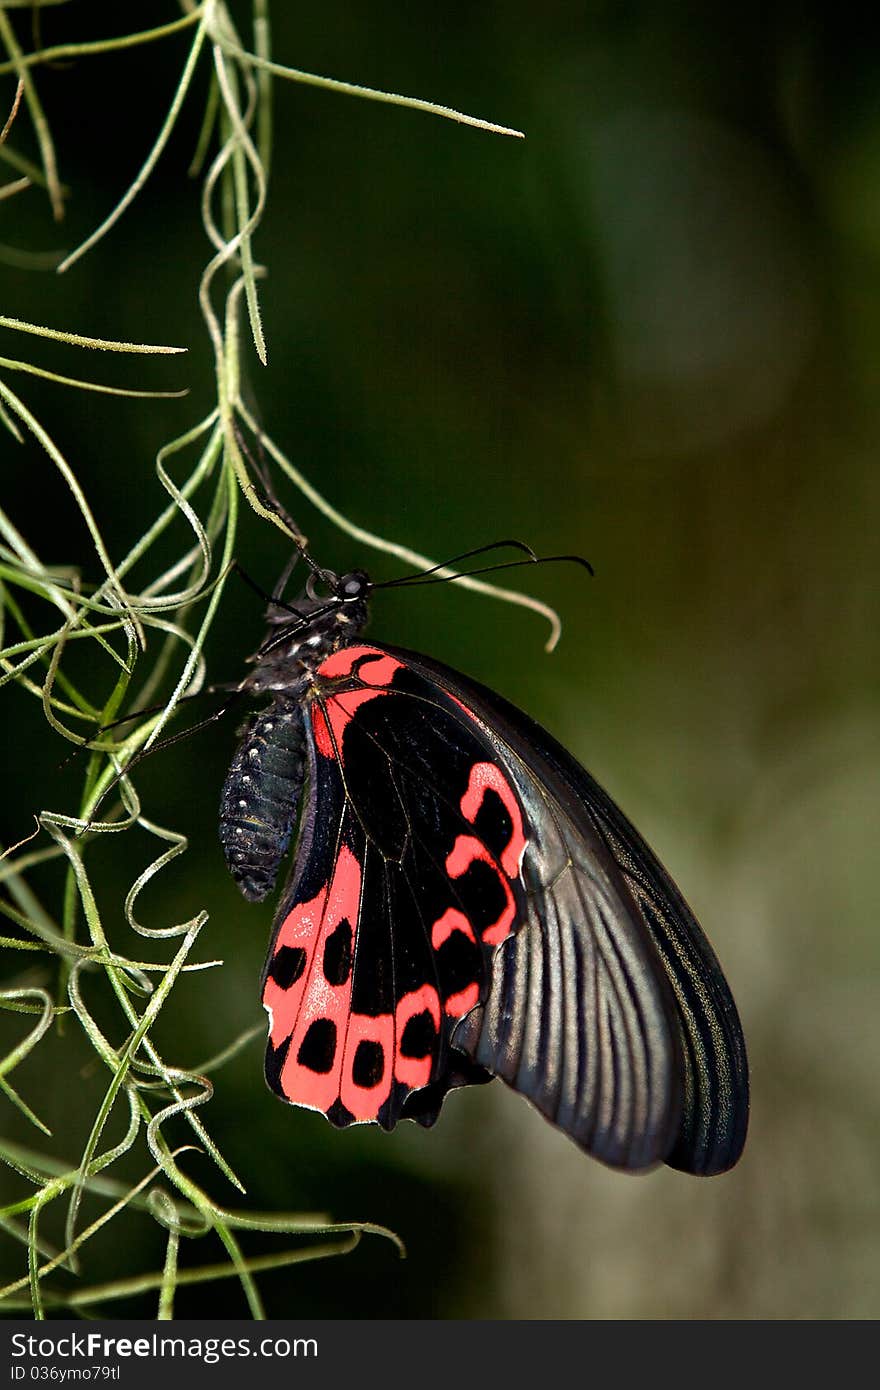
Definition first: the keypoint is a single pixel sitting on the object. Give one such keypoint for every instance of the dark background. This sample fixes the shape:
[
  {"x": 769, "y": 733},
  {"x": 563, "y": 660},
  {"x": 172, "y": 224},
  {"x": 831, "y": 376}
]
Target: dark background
[{"x": 649, "y": 333}]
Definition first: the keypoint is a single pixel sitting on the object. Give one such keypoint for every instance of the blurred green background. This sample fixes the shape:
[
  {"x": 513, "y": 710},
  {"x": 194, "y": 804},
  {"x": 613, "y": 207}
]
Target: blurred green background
[{"x": 649, "y": 333}]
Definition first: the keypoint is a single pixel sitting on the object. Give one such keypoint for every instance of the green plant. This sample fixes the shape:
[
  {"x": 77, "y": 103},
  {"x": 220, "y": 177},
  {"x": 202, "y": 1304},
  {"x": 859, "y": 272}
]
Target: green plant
[{"x": 149, "y": 618}]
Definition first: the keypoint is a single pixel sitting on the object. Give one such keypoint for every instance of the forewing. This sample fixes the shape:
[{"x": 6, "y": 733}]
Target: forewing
[{"x": 612, "y": 878}]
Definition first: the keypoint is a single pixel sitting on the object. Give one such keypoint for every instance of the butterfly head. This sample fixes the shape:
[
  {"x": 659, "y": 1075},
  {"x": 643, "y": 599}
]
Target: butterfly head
[
  {"x": 351, "y": 589},
  {"x": 334, "y": 601},
  {"x": 331, "y": 611}
]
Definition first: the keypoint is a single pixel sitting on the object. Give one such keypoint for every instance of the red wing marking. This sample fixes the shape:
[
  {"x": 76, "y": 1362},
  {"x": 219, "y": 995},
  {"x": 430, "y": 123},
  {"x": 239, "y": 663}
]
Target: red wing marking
[
  {"x": 379, "y": 671},
  {"x": 334, "y": 1054},
  {"x": 323, "y": 739},
  {"x": 368, "y": 1063},
  {"x": 466, "y": 851},
  {"x": 339, "y": 710},
  {"x": 416, "y": 1071},
  {"x": 314, "y": 1013},
  {"x": 489, "y": 777},
  {"x": 452, "y": 920},
  {"x": 332, "y": 716},
  {"x": 341, "y": 662},
  {"x": 457, "y": 1005}
]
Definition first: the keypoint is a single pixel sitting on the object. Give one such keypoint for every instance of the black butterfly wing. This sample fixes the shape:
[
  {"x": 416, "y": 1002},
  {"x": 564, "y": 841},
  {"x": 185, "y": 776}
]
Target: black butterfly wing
[
  {"x": 540, "y": 971},
  {"x": 463, "y": 876}
]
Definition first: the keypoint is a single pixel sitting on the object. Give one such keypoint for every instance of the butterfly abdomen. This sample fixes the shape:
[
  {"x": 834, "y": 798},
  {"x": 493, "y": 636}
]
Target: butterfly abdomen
[{"x": 260, "y": 798}]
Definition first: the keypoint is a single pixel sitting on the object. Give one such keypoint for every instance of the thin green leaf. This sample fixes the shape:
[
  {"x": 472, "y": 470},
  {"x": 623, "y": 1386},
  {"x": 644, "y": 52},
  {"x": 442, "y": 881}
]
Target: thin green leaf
[
  {"x": 13, "y": 1096},
  {"x": 169, "y": 1279},
  {"x": 11, "y": 365},
  {"x": 59, "y": 52},
  {"x": 152, "y": 158},
  {"x": 80, "y": 340},
  {"x": 353, "y": 89}
]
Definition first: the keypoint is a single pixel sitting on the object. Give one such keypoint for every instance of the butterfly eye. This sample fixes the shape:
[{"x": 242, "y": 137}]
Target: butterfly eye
[{"x": 352, "y": 586}]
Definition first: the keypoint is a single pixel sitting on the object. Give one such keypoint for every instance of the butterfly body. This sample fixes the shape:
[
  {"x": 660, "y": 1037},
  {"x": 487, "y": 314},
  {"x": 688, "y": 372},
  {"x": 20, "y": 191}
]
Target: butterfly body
[
  {"x": 465, "y": 902},
  {"x": 260, "y": 798},
  {"x": 259, "y": 803}
]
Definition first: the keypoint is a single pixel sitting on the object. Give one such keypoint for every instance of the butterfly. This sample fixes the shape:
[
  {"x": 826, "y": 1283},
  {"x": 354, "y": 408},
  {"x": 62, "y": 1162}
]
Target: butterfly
[{"x": 464, "y": 902}]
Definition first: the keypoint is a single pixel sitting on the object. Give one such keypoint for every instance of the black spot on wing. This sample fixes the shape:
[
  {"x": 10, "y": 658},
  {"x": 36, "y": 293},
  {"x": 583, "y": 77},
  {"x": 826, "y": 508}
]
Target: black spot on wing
[
  {"x": 337, "y": 954},
  {"x": 492, "y": 823},
  {"x": 368, "y": 1067},
  {"x": 287, "y": 965},
  {"x": 481, "y": 894},
  {"x": 318, "y": 1047},
  {"x": 419, "y": 1036},
  {"x": 459, "y": 964}
]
